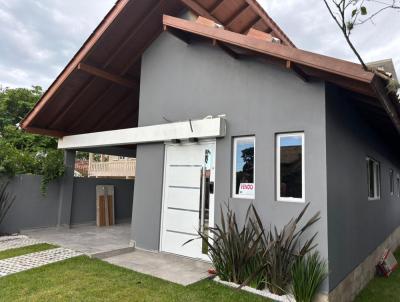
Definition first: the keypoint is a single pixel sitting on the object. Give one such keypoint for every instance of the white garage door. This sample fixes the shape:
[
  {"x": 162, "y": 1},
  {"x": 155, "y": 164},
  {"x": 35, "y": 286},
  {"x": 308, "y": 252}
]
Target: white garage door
[{"x": 188, "y": 203}]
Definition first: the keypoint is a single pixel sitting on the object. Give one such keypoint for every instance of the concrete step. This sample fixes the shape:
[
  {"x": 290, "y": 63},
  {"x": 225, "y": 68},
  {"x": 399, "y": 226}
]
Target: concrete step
[{"x": 112, "y": 253}]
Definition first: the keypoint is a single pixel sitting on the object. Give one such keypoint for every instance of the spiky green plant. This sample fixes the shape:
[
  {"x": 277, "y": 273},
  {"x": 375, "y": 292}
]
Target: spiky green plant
[
  {"x": 250, "y": 256},
  {"x": 235, "y": 252},
  {"x": 284, "y": 249},
  {"x": 281, "y": 249},
  {"x": 308, "y": 273},
  {"x": 6, "y": 200}
]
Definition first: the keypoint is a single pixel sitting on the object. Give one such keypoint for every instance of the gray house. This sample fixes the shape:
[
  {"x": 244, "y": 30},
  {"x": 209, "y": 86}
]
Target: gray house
[{"x": 218, "y": 105}]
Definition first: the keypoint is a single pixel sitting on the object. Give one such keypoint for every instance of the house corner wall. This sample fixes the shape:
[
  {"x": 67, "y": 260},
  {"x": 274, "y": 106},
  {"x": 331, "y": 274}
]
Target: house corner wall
[{"x": 358, "y": 228}]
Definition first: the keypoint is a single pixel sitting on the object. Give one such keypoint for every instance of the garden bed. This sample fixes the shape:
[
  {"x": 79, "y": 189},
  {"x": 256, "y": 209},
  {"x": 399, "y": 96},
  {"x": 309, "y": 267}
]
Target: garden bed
[{"x": 264, "y": 293}]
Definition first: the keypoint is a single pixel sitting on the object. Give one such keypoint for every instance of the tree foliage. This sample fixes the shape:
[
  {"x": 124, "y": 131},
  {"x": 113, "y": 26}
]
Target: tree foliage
[{"x": 21, "y": 152}]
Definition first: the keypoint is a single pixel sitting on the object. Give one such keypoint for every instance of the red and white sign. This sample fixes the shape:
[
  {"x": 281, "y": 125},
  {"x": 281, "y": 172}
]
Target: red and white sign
[{"x": 247, "y": 189}]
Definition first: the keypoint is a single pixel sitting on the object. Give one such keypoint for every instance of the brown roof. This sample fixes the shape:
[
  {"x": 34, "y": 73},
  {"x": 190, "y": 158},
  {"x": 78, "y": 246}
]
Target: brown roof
[
  {"x": 307, "y": 65},
  {"x": 99, "y": 88}
]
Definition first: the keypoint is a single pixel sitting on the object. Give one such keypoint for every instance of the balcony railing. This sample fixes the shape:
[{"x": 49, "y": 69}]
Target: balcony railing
[{"x": 120, "y": 168}]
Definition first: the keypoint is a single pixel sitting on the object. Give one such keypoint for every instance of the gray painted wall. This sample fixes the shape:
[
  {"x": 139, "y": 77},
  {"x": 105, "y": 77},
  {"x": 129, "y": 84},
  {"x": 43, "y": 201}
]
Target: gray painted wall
[
  {"x": 356, "y": 225},
  {"x": 181, "y": 82},
  {"x": 32, "y": 210},
  {"x": 84, "y": 199}
]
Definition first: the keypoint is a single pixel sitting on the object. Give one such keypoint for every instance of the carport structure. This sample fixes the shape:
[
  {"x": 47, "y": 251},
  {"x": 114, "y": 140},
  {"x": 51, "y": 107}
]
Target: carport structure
[{"x": 93, "y": 105}]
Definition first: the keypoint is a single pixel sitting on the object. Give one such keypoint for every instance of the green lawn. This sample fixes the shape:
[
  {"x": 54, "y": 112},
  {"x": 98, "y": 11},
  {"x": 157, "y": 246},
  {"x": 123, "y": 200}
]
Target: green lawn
[
  {"x": 25, "y": 250},
  {"x": 382, "y": 289},
  {"x": 85, "y": 279}
]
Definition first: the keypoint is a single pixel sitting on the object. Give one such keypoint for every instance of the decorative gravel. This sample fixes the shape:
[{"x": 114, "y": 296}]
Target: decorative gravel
[{"x": 25, "y": 262}]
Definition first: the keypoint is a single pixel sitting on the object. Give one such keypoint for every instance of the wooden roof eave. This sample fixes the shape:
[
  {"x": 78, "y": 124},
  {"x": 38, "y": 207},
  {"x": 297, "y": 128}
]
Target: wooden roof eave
[
  {"x": 371, "y": 84},
  {"x": 301, "y": 57},
  {"x": 73, "y": 64}
]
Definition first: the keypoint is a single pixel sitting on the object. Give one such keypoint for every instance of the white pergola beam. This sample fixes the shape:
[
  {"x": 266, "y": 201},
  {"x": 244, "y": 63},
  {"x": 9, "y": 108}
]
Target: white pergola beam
[{"x": 201, "y": 129}]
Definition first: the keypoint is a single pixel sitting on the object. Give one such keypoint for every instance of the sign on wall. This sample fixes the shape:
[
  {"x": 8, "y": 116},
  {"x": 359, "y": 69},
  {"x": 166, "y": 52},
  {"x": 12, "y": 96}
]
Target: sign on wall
[{"x": 246, "y": 189}]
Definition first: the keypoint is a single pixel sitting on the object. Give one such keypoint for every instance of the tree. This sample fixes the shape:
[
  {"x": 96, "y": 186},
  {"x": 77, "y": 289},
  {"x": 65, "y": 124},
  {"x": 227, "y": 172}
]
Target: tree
[
  {"x": 348, "y": 14},
  {"x": 21, "y": 152},
  {"x": 16, "y": 103}
]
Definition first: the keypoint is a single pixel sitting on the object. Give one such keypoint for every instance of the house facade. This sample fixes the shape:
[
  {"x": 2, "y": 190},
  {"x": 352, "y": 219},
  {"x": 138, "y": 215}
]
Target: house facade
[{"x": 219, "y": 107}]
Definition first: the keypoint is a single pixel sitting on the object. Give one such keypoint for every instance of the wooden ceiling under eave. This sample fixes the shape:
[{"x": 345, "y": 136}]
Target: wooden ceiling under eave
[{"x": 99, "y": 88}]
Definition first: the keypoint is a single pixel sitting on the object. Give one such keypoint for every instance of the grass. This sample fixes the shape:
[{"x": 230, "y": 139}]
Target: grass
[
  {"x": 25, "y": 250},
  {"x": 85, "y": 279},
  {"x": 381, "y": 288}
]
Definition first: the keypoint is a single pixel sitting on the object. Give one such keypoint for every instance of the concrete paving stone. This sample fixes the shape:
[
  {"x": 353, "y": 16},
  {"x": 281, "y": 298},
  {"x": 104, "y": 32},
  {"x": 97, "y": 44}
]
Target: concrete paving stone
[
  {"x": 172, "y": 268},
  {"x": 29, "y": 261}
]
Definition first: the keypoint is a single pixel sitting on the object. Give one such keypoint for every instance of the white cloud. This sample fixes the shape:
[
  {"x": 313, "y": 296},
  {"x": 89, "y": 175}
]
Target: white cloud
[
  {"x": 39, "y": 37},
  {"x": 310, "y": 26}
]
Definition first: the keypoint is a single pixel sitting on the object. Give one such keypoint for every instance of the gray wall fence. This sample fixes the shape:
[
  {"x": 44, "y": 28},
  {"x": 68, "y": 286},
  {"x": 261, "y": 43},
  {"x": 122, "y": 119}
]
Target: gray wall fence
[{"x": 33, "y": 210}]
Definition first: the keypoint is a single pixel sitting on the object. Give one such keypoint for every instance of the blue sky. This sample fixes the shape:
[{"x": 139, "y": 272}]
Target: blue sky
[
  {"x": 39, "y": 37},
  {"x": 290, "y": 141}
]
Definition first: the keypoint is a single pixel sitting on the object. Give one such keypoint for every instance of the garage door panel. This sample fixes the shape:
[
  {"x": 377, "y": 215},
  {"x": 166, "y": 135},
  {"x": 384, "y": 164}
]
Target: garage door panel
[
  {"x": 184, "y": 177},
  {"x": 182, "y": 221},
  {"x": 184, "y": 198}
]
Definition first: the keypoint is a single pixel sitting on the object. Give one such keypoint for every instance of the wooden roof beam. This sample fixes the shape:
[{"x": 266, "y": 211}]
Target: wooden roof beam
[
  {"x": 198, "y": 9},
  {"x": 115, "y": 53},
  {"x": 90, "y": 108},
  {"x": 237, "y": 14},
  {"x": 48, "y": 132},
  {"x": 250, "y": 25},
  {"x": 343, "y": 69},
  {"x": 216, "y": 6},
  {"x": 86, "y": 48},
  {"x": 108, "y": 76}
]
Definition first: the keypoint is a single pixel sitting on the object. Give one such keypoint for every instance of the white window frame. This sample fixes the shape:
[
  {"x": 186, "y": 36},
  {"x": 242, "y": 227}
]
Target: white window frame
[
  {"x": 250, "y": 138},
  {"x": 377, "y": 185},
  {"x": 278, "y": 168}
]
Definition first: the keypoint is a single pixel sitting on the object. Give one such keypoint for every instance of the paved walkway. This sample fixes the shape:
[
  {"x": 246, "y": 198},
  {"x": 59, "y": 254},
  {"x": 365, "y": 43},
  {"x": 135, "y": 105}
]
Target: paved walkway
[
  {"x": 13, "y": 242},
  {"x": 90, "y": 240},
  {"x": 169, "y": 267},
  {"x": 25, "y": 262}
]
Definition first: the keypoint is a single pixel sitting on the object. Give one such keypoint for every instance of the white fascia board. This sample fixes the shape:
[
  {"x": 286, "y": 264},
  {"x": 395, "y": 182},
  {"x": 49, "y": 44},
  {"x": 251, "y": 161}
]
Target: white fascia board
[{"x": 206, "y": 128}]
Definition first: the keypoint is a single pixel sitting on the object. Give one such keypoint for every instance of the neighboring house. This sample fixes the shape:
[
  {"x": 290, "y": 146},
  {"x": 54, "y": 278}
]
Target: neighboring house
[
  {"x": 240, "y": 110},
  {"x": 111, "y": 166},
  {"x": 385, "y": 65}
]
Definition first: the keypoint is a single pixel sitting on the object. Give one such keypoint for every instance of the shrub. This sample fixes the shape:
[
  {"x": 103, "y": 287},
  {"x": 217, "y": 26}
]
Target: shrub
[
  {"x": 250, "y": 256},
  {"x": 235, "y": 252},
  {"x": 283, "y": 249},
  {"x": 6, "y": 201},
  {"x": 307, "y": 274}
]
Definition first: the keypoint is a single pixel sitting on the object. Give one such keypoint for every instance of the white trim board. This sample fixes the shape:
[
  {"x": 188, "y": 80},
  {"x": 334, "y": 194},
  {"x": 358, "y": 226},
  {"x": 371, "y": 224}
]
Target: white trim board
[{"x": 201, "y": 129}]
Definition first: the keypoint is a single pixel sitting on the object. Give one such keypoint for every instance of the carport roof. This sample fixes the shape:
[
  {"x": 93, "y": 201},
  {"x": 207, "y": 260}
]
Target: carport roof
[{"x": 99, "y": 88}]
